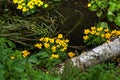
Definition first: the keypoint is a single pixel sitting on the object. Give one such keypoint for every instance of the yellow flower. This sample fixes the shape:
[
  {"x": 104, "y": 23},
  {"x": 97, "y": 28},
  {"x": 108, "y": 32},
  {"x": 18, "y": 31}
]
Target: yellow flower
[
  {"x": 15, "y": 1},
  {"x": 97, "y": 33},
  {"x": 93, "y": 32},
  {"x": 41, "y": 39},
  {"x": 24, "y": 9},
  {"x": 47, "y": 72},
  {"x": 46, "y": 39},
  {"x": 108, "y": 41},
  {"x": 53, "y": 48},
  {"x": 100, "y": 29},
  {"x": 36, "y": 2},
  {"x": 85, "y": 37},
  {"x": 54, "y": 56},
  {"x": 60, "y": 36},
  {"x": 46, "y": 45},
  {"x": 86, "y": 31},
  {"x": 58, "y": 41},
  {"x": 71, "y": 54},
  {"x": 45, "y": 5},
  {"x": 58, "y": 46},
  {"x": 118, "y": 33},
  {"x": 19, "y": 7},
  {"x": 106, "y": 30},
  {"x": 38, "y": 45},
  {"x": 107, "y": 35},
  {"x": 66, "y": 40},
  {"x": 20, "y": 1},
  {"x": 88, "y": 5},
  {"x": 25, "y": 53},
  {"x": 40, "y": 3},
  {"x": 113, "y": 31},
  {"x": 31, "y": 6},
  {"x": 93, "y": 28},
  {"x": 102, "y": 35},
  {"x": 51, "y": 40},
  {"x": 12, "y": 57},
  {"x": 23, "y": 4}
]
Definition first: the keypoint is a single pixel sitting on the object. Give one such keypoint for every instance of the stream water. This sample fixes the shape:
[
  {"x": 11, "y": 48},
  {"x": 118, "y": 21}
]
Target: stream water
[{"x": 77, "y": 18}]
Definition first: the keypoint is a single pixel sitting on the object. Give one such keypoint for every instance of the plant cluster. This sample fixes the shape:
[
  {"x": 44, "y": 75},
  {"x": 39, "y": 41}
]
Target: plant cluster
[
  {"x": 106, "y": 8},
  {"x": 99, "y": 72},
  {"x": 14, "y": 66},
  {"x": 29, "y": 6},
  {"x": 98, "y": 35},
  {"x": 51, "y": 51}
]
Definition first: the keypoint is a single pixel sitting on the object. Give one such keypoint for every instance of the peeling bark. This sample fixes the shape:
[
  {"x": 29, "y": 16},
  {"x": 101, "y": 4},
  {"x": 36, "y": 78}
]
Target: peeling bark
[{"x": 99, "y": 54}]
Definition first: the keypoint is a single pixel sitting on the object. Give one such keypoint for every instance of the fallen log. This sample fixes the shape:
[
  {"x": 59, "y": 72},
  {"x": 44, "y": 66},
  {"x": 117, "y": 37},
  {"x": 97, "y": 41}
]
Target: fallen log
[{"x": 97, "y": 55}]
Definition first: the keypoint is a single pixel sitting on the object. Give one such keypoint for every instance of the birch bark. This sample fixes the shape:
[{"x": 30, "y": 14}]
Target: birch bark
[{"x": 99, "y": 54}]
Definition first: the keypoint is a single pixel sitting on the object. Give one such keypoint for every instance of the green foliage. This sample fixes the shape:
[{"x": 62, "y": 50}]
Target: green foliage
[
  {"x": 14, "y": 67},
  {"x": 42, "y": 60},
  {"x": 26, "y": 30},
  {"x": 107, "y": 8},
  {"x": 99, "y": 72}
]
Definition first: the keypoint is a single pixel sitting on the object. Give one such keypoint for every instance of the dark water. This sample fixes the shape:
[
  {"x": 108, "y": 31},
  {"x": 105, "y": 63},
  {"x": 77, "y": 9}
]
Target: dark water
[{"x": 76, "y": 11}]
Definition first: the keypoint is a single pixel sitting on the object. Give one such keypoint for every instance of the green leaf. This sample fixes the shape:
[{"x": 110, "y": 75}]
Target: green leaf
[
  {"x": 117, "y": 20},
  {"x": 19, "y": 69},
  {"x": 112, "y": 6},
  {"x": 99, "y": 13},
  {"x": 2, "y": 77},
  {"x": 93, "y": 7},
  {"x": 43, "y": 54},
  {"x": 110, "y": 16},
  {"x": 102, "y": 24},
  {"x": 11, "y": 44},
  {"x": 2, "y": 74},
  {"x": 32, "y": 59}
]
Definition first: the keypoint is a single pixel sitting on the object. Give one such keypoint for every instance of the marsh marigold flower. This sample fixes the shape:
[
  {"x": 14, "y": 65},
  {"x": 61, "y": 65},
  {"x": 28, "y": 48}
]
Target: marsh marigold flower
[
  {"x": 93, "y": 28},
  {"x": 100, "y": 29},
  {"x": 15, "y": 1},
  {"x": 12, "y": 57},
  {"x": 85, "y": 37},
  {"x": 97, "y": 33},
  {"x": 54, "y": 56},
  {"x": 60, "y": 36},
  {"x": 45, "y": 5},
  {"x": 19, "y": 7},
  {"x": 47, "y": 72},
  {"x": 107, "y": 35},
  {"x": 46, "y": 45},
  {"x": 71, "y": 54},
  {"x": 86, "y": 31},
  {"x": 41, "y": 39},
  {"x": 53, "y": 48},
  {"x": 88, "y": 5},
  {"x": 66, "y": 40},
  {"x": 102, "y": 35},
  {"x": 24, "y": 9},
  {"x": 106, "y": 30},
  {"x": 25, "y": 53},
  {"x": 117, "y": 33},
  {"x": 40, "y": 3},
  {"x": 46, "y": 39},
  {"x": 38, "y": 45},
  {"x": 51, "y": 40},
  {"x": 93, "y": 32}
]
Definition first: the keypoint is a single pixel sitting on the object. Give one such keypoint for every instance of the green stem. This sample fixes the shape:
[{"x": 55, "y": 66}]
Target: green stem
[{"x": 76, "y": 25}]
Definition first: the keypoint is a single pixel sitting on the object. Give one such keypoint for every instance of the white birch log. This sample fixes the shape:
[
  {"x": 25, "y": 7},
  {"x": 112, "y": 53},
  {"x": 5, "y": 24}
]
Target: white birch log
[{"x": 99, "y": 54}]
